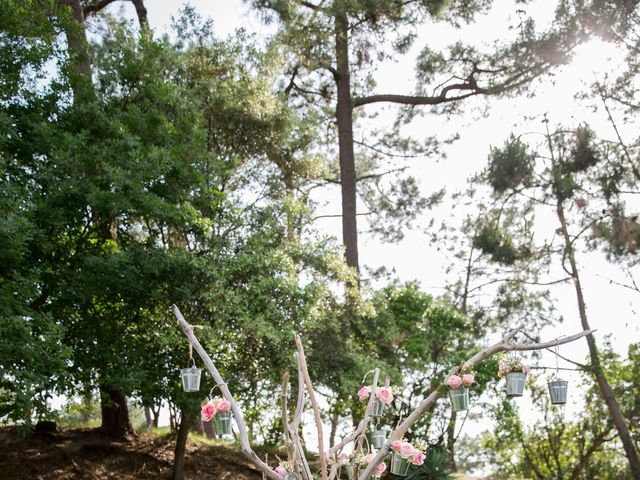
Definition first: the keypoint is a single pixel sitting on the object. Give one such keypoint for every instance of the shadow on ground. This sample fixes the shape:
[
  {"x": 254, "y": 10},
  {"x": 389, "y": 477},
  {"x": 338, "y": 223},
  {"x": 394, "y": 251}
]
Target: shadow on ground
[{"x": 87, "y": 454}]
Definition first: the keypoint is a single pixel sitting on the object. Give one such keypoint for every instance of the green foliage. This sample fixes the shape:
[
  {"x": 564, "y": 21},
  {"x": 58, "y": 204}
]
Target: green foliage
[
  {"x": 583, "y": 153},
  {"x": 497, "y": 245},
  {"x": 33, "y": 359},
  {"x": 564, "y": 182},
  {"x": 510, "y": 166},
  {"x": 436, "y": 466},
  {"x": 143, "y": 194}
]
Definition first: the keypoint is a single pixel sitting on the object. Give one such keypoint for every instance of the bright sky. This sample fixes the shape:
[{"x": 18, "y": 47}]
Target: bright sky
[{"x": 611, "y": 309}]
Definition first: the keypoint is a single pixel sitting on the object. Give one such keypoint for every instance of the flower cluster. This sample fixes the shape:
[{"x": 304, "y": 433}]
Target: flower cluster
[
  {"x": 284, "y": 468},
  {"x": 384, "y": 394},
  {"x": 363, "y": 461},
  {"x": 511, "y": 364},
  {"x": 457, "y": 381},
  {"x": 408, "y": 451},
  {"x": 212, "y": 407}
]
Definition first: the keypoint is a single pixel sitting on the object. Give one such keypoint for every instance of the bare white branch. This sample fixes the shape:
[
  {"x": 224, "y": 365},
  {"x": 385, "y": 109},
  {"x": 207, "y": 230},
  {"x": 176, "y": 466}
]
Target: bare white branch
[{"x": 237, "y": 413}]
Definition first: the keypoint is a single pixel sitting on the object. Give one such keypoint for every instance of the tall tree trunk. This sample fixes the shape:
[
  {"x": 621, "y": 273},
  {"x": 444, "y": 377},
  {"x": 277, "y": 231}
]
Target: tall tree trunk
[
  {"x": 87, "y": 402},
  {"x": 156, "y": 416},
  {"x": 147, "y": 417},
  {"x": 596, "y": 366},
  {"x": 115, "y": 413},
  {"x": 209, "y": 429},
  {"x": 79, "y": 51},
  {"x": 335, "y": 419},
  {"x": 186, "y": 421},
  {"x": 344, "y": 118},
  {"x": 173, "y": 413},
  {"x": 141, "y": 11},
  {"x": 198, "y": 426}
]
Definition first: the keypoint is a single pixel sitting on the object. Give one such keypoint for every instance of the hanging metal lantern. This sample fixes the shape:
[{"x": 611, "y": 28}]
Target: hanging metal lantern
[
  {"x": 558, "y": 387},
  {"x": 377, "y": 408},
  {"x": 558, "y": 391},
  {"x": 378, "y": 437},
  {"x": 399, "y": 465},
  {"x": 191, "y": 377},
  {"x": 515, "y": 383},
  {"x": 350, "y": 471},
  {"x": 222, "y": 423},
  {"x": 353, "y": 473},
  {"x": 459, "y": 398}
]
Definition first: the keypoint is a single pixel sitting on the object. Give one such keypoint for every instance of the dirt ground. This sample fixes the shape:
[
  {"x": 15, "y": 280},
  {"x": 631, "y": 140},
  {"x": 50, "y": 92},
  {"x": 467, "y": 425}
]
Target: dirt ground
[{"x": 86, "y": 454}]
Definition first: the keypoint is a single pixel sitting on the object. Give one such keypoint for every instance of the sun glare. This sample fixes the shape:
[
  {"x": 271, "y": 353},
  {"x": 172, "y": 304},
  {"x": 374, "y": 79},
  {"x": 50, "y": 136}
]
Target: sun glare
[{"x": 593, "y": 60}]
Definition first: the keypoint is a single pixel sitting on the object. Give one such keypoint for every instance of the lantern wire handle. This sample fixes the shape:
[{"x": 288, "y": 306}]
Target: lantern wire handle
[
  {"x": 368, "y": 445},
  {"x": 364, "y": 379},
  {"x": 557, "y": 352},
  {"x": 217, "y": 385},
  {"x": 193, "y": 361}
]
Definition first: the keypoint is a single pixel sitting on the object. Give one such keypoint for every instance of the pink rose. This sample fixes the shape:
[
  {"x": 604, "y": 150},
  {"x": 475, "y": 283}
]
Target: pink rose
[
  {"x": 208, "y": 411},
  {"x": 526, "y": 369},
  {"x": 223, "y": 406},
  {"x": 385, "y": 395},
  {"x": 363, "y": 393},
  {"x": 280, "y": 470},
  {"x": 502, "y": 369},
  {"x": 395, "y": 445},
  {"x": 380, "y": 468},
  {"x": 454, "y": 381},
  {"x": 468, "y": 379},
  {"x": 418, "y": 457},
  {"x": 407, "y": 450}
]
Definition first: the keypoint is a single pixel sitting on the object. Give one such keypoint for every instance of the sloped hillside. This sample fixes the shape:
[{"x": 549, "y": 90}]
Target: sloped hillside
[{"x": 86, "y": 454}]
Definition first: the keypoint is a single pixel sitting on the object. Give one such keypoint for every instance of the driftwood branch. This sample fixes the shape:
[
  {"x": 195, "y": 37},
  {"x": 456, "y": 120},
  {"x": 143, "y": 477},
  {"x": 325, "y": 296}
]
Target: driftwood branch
[
  {"x": 292, "y": 438},
  {"x": 506, "y": 344},
  {"x": 237, "y": 413},
  {"x": 297, "y": 417},
  {"x": 302, "y": 361},
  {"x": 292, "y": 454}
]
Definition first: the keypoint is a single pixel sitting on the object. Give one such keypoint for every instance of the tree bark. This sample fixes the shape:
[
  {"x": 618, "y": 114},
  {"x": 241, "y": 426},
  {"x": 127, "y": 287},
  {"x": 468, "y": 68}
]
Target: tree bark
[
  {"x": 335, "y": 419},
  {"x": 141, "y": 11},
  {"x": 596, "y": 366},
  {"x": 115, "y": 413},
  {"x": 198, "y": 426},
  {"x": 77, "y": 41},
  {"x": 186, "y": 421},
  {"x": 87, "y": 403},
  {"x": 344, "y": 118},
  {"x": 147, "y": 417},
  {"x": 209, "y": 429},
  {"x": 156, "y": 416}
]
